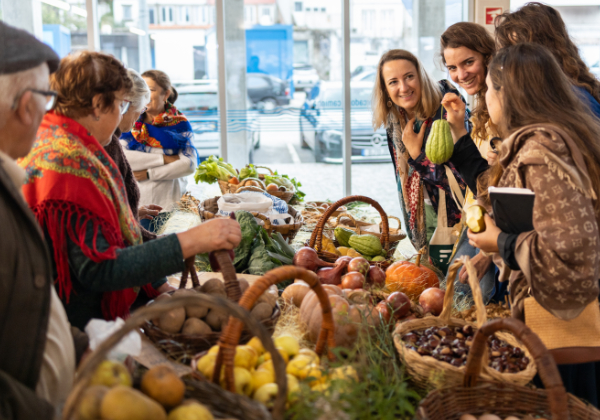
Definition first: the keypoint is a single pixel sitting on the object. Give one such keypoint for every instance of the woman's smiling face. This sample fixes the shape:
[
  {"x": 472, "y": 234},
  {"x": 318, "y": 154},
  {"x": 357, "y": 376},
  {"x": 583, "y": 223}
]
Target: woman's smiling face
[
  {"x": 466, "y": 68},
  {"x": 402, "y": 84}
]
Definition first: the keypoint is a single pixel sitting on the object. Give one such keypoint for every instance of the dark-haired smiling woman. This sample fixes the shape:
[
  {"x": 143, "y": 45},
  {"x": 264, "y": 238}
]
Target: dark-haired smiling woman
[
  {"x": 550, "y": 146},
  {"x": 466, "y": 50}
]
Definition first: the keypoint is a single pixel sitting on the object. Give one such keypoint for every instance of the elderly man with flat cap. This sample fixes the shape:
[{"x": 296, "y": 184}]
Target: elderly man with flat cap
[{"x": 37, "y": 346}]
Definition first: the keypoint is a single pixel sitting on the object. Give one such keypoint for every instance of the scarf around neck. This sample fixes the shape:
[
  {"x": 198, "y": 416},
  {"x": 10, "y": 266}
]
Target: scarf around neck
[
  {"x": 169, "y": 131},
  {"x": 72, "y": 182}
]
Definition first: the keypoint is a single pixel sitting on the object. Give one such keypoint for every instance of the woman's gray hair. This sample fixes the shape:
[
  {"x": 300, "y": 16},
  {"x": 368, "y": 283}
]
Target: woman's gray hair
[{"x": 140, "y": 93}]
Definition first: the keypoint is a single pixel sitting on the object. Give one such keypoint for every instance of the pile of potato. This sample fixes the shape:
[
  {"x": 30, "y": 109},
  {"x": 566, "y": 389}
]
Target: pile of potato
[{"x": 200, "y": 320}]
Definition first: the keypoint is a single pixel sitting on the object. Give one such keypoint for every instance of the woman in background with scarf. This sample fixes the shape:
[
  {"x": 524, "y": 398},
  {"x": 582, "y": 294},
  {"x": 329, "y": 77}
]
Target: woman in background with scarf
[{"x": 159, "y": 147}]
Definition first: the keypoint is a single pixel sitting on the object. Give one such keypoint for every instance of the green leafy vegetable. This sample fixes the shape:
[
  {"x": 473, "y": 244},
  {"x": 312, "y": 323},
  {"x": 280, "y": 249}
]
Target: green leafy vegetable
[
  {"x": 248, "y": 172},
  {"x": 261, "y": 261},
  {"x": 213, "y": 170},
  {"x": 250, "y": 229}
]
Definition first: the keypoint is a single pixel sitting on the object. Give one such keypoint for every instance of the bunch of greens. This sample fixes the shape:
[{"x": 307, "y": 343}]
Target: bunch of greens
[
  {"x": 248, "y": 172},
  {"x": 285, "y": 181},
  {"x": 269, "y": 252},
  {"x": 213, "y": 170},
  {"x": 382, "y": 392}
]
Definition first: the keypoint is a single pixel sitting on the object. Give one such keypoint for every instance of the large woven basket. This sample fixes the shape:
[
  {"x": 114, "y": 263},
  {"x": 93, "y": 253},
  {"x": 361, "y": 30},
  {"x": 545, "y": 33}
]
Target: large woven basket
[
  {"x": 182, "y": 347},
  {"x": 430, "y": 373},
  {"x": 317, "y": 236},
  {"x": 283, "y": 195},
  {"x": 361, "y": 228},
  {"x": 504, "y": 399},
  {"x": 220, "y": 402},
  {"x": 232, "y": 333}
]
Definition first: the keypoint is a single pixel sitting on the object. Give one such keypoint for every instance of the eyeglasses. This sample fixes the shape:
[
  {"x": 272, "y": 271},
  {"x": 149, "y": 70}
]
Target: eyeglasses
[
  {"x": 124, "y": 107},
  {"x": 50, "y": 95}
]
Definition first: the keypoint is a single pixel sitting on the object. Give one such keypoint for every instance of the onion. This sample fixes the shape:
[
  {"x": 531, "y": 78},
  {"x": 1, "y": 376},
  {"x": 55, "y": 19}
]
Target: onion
[
  {"x": 376, "y": 277},
  {"x": 432, "y": 300},
  {"x": 343, "y": 260},
  {"x": 359, "y": 264},
  {"x": 400, "y": 304},
  {"x": 353, "y": 280},
  {"x": 308, "y": 258},
  {"x": 330, "y": 275}
]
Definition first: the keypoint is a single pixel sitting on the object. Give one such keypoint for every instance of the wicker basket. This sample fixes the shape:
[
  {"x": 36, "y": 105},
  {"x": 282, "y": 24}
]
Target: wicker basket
[
  {"x": 232, "y": 332},
  {"x": 220, "y": 402},
  {"x": 182, "y": 347},
  {"x": 282, "y": 195},
  {"x": 316, "y": 206},
  {"x": 361, "y": 228},
  {"x": 317, "y": 235},
  {"x": 504, "y": 399},
  {"x": 430, "y": 373},
  {"x": 227, "y": 188}
]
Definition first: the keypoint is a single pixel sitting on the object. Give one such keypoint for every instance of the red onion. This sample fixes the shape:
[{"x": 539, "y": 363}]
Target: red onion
[
  {"x": 360, "y": 265},
  {"x": 308, "y": 258},
  {"x": 353, "y": 280},
  {"x": 376, "y": 277},
  {"x": 330, "y": 275},
  {"x": 400, "y": 304},
  {"x": 432, "y": 300}
]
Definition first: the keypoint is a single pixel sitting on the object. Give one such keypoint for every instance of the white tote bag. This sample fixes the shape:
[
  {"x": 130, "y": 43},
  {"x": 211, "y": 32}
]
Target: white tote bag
[{"x": 443, "y": 239}]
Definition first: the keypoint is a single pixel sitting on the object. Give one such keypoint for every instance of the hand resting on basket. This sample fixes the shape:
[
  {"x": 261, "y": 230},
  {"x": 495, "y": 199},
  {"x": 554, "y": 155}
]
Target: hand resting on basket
[{"x": 212, "y": 235}]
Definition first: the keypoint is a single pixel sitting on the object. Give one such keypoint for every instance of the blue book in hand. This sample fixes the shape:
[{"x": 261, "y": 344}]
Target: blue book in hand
[{"x": 513, "y": 208}]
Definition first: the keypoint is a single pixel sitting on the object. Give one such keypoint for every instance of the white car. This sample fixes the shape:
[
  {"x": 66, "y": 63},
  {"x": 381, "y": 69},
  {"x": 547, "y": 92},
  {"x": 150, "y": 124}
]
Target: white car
[{"x": 305, "y": 77}]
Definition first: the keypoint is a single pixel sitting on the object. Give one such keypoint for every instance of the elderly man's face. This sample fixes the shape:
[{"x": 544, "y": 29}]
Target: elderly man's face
[{"x": 32, "y": 109}]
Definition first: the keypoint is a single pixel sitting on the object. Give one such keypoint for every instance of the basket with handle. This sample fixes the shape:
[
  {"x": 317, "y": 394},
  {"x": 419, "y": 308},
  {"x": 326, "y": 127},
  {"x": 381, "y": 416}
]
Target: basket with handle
[
  {"x": 360, "y": 227},
  {"x": 232, "y": 333},
  {"x": 476, "y": 396},
  {"x": 282, "y": 195},
  {"x": 220, "y": 402},
  {"x": 430, "y": 373},
  {"x": 317, "y": 236},
  {"x": 183, "y": 347},
  {"x": 288, "y": 231}
]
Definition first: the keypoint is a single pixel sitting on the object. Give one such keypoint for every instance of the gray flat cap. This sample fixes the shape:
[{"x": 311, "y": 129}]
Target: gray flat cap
[{"x": 20, "y": 51}]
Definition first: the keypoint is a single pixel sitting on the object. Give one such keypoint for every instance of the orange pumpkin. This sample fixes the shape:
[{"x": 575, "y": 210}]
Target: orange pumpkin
[{"x": 410, "y": 278}]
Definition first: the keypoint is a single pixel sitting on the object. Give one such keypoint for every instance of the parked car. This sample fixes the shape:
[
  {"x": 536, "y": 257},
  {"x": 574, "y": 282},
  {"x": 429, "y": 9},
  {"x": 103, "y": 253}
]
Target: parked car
[
  {"x": 305, "y": 76},
  {"x": 267, "y": 92},
  {"x": 321, "y": 124},
  {"x": 366, "y": 76},
  {"x": 200, "y": 104}
]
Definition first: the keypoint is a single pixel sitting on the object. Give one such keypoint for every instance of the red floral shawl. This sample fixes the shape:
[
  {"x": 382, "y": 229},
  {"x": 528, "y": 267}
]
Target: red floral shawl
[{"x": 69, "y": 174}]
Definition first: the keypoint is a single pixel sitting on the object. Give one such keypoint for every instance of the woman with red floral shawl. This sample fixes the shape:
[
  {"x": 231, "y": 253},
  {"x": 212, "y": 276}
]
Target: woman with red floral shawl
[{"x": 77, "y": 194}]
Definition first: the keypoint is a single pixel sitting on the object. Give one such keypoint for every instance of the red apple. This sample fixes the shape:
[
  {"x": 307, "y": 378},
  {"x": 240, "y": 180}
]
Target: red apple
[
  {"x": 353, "y": 280},
  {"x": 432, "y": 300},
  {"x": 400, "y": 304},
  {"x": 360, "y": 265}
]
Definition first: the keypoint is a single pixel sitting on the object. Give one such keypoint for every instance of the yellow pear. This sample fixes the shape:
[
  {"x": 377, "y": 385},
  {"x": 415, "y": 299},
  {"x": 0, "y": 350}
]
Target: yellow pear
[
  {"x": 256, "y": 344},
  {"x": 289, "y": 344},
  {"x": 322, "y": 387},
  {"x": 91, "y": 400},
  {"x": 293, "y": 387},
  {"x": 266, "y": 394},
  {"x": 344, "y": 373},
  {"x": 206, "y": 365},
  {"x": 245, "y": 356},
  {"x": 125, "y": 403},
  {"x": 243, "y": 380},
  {"x": 110, "y": 373},
  {"x": 192, "y": 411},
  {"x": 281, "y": 351},
  {"x": 311, "y": 353},
  {"x": 267, "y": 365},
  {"x": 315, "y": 375},
  {"x": 261, "y": 377},
  {"x": 299, "y": 366},
  {"x": 213, "y": 350}
]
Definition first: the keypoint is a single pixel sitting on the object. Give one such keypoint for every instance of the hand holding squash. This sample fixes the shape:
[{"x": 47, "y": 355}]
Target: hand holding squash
[
  {"x": 413, "y": 141},
  {"x": 455, "y": 108}
]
